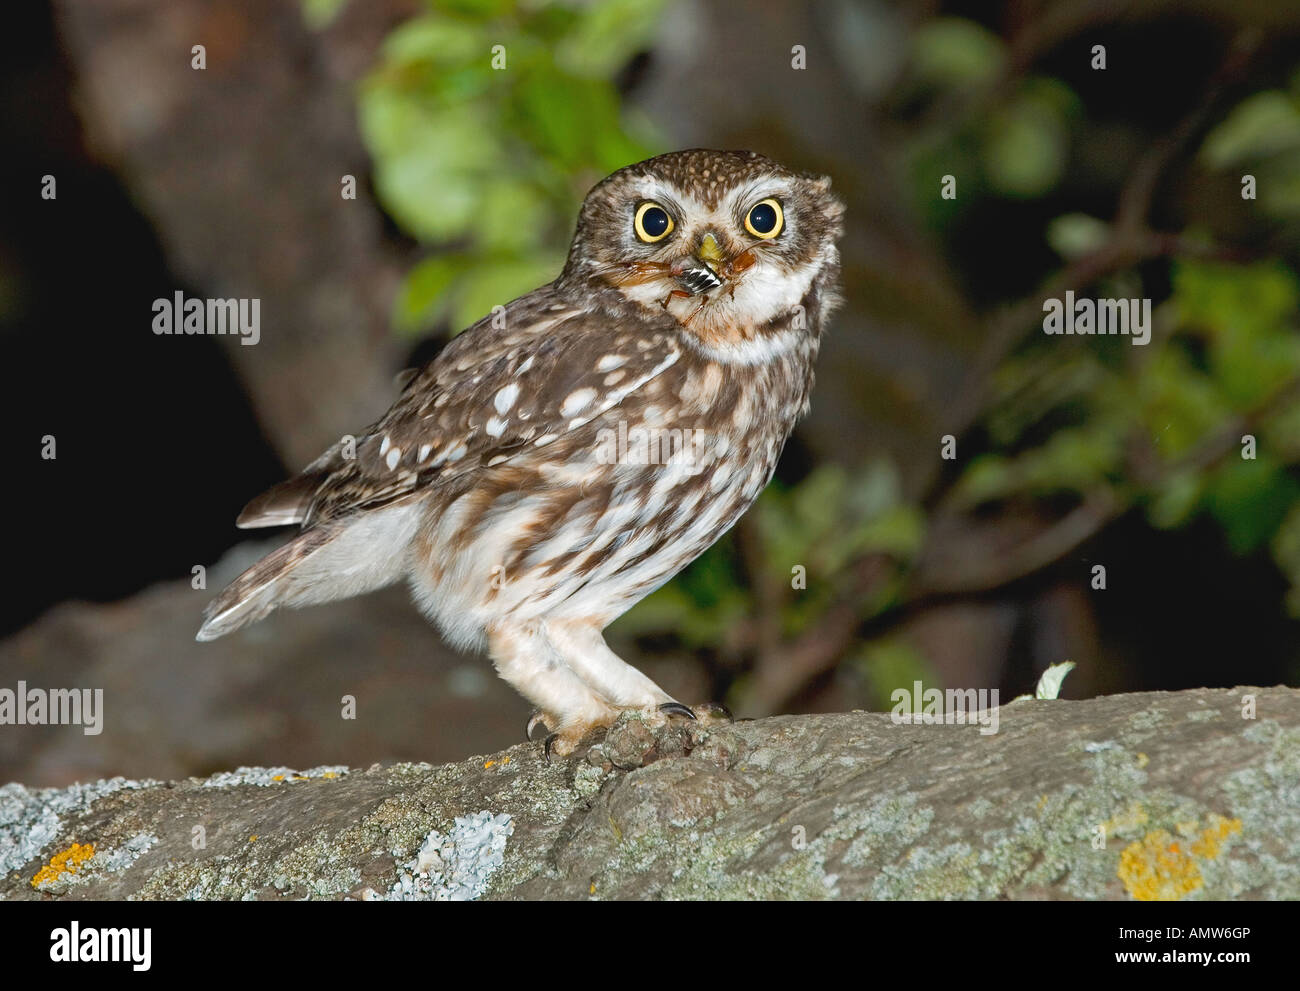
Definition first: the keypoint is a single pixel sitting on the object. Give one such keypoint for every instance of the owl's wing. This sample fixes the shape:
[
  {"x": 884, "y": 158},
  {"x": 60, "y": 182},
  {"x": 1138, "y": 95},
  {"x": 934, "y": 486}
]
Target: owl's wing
[{"x": 518, "y": 380}]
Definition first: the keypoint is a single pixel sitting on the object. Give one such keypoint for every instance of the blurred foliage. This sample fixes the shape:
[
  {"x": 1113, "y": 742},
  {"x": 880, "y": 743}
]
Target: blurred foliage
[
  {"x": 1230, "y": 343},
  {"x": 488, "y": 167},
  {"x": 1262, "y": 135},
  {"x": 488, "y": 121},
  {"x": 321, "y": 13},
  {"x": 1018, "y": 149},
  {"x": 1226, "y": 341}
]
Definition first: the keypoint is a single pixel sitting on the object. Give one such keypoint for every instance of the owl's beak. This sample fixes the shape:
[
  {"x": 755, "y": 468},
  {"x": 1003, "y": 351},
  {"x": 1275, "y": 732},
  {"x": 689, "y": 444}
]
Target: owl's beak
[{"x": 710, "y": 253}]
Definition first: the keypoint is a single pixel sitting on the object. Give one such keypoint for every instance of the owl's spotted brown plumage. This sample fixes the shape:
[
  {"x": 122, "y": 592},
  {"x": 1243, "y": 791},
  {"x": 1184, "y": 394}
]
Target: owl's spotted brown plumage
[{"x": 559, "y": 461}]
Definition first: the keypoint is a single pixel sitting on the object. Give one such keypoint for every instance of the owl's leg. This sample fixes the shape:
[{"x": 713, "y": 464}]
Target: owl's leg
[
  {"x": 528, "y": 660},
  {"x": 589, "y": 657}
]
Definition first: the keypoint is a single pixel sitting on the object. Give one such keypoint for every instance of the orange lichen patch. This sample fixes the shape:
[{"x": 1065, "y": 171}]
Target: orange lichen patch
[
  {"x": 1143, "y": 760},
  {"x": 1210, "y": 843},
  {"x": 490, "y": 763},
  {"x": 330, "y": 774},
  {"x": 592, "y": 889},
  {"x": 277, "y": 777},
  {"x": 1162, "y": 867},
  {"x": 66, "y": 862},
  {"x": 1157, "y": 869},
  {"x": 253, "y": 838},
  {"x": 505, "y": 760}
]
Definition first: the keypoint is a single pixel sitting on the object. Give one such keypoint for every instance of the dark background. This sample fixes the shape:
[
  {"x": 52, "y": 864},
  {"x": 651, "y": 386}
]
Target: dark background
[{"x": 225, "y": 183}]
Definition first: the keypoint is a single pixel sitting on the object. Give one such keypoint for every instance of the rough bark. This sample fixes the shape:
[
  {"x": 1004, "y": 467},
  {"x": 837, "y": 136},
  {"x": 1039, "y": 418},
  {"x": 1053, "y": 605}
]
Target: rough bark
[{"x": 1138, "y": 796}]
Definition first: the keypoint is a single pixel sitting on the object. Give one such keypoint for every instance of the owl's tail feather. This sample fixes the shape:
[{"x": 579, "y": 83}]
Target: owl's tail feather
[
  {"x": 284, "y": 577},
  {"x": 333, "y": 560}
]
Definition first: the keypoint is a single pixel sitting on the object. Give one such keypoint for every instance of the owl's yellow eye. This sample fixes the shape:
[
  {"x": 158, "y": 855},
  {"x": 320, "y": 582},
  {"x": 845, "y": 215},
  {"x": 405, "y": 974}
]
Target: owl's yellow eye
[
  {"x": 765, "y": 219},
  {"x": 652, "y": 223}
]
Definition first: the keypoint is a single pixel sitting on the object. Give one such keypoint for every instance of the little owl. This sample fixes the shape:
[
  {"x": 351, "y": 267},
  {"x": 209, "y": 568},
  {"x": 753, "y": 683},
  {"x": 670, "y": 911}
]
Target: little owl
[{"x": 566, "y": 456}]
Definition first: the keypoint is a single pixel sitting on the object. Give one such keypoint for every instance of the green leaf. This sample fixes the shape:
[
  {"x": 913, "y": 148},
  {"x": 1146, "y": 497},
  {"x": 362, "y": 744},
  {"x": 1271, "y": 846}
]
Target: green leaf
[
  {"x": 1075, "y": 234},
  {"x": 898, "y": 531},
  {"x": 1246, "y": 312},
  {"x": 1026, "y": 141},
  {"x": 1230, "y": 299},
  {"x": 424, "y": 295},
  {"x": 318, "y": 14},
  {"x": 608, "y": 35},
  {"x": 817, "y": 500},
  {"x": 1251, "y": 499},
  {"x": 1174, "y": 503},
  {"x": 1263, "y": 124},
  {"x": 988, "y": 477},
  {"x": 443, "y": 41},
  {"x": 514, "y": 215},
  {"x": 952, "y": 52},
  {"x": 477, "y": 9},
  {"x": 495, "y": 281},
  {"x": 561, "y": 116},
  {"x": 1074, "y": 459},
  {"x": 430, "y": 164},
  {"x": 1178, "y": 404},
  {"x": 1050, "y": 681}
]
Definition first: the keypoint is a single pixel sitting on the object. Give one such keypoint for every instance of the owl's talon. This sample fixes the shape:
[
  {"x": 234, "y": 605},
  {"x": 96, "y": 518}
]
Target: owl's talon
[
  {"x": 538, "y": 718},
  {"x": 676, "y": 709},
  {"x": 546, "y": 747}
]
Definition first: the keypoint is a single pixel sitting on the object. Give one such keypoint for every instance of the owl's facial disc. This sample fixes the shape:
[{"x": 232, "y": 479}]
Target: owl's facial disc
[{"x": 727, "y": 243}]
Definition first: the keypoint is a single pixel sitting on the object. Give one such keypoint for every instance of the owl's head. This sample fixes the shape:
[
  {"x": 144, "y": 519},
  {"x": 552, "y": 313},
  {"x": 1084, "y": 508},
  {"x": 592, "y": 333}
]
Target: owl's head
[{"x": 726, "y": 242}]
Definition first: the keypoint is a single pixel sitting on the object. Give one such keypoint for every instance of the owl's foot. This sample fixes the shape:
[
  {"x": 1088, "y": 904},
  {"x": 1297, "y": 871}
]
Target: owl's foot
[
  {"x": 642, "y": 736},
  {"x": 707, "y": 714},
  {"x": 567, "y": 740}
]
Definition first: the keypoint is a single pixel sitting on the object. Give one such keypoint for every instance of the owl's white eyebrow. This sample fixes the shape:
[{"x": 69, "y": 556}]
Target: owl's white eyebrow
[
  {"x": 666, "y": 196},
  {"x": 744, "y": 197}
]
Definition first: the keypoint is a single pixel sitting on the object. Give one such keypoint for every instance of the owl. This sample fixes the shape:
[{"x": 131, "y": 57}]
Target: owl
[{"x": 566, "y": 456}]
